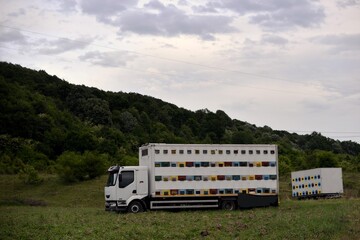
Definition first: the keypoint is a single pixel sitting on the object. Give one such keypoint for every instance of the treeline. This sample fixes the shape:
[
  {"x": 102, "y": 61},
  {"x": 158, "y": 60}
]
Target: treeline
[{"x": 48, "y": 124}]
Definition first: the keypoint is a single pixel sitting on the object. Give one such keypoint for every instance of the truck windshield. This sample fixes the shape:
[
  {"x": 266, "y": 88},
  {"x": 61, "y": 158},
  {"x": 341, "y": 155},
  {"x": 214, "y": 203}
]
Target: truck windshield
[{"x": 112, "y": 179}]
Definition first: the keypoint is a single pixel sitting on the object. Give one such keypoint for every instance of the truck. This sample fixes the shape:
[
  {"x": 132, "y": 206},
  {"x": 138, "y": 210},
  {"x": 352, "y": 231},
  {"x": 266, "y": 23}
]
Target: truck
[
  {"x": 174, "y": 176},
  {"x": 317, "y": 183}
]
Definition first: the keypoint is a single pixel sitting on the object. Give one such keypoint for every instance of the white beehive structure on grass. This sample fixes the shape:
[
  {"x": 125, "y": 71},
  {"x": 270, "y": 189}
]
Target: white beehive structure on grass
[
  {"x": 180, "y": 170},
  {"x": 169, "y": 176},
  {"x": 318, "y": 182}
]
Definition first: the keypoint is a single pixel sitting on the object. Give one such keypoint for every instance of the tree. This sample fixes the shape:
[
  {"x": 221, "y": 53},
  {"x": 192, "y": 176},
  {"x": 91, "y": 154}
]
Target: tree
[
  {"x": 74, "y": 167},
  {"x": 70, "y": 167},
  {"x": 94, "y": 164},
  {"x": 97, "y": 111},
  {"x": 124, "y": 121},
  {"x": 242, "y": 137},
  {"x": 88, "y": 107},
  {"x": 325, "y": 159},
  {"x": 284, "y": 165},
  {"x": 81, "y": 139}
]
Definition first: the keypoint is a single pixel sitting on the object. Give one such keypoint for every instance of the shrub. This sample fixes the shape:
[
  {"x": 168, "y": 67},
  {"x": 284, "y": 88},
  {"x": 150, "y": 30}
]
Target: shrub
[
  {"x": 29, "y": 175},
  {"x": 10, "y": 165},
  {"x": 129, "y": 161},
  {"x": 69, "y": 167},
  {"x": 74, "y": 167},
  {"x": 94, "y": 164}
]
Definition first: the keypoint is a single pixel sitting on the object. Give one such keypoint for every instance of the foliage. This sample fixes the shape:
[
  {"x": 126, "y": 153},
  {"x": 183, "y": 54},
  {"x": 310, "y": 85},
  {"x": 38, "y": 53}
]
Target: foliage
[
  {"x": 69, "y": 167},
  {"x": 29, "y": 175},
  {"x": 10, "y": 165},
  {"x": 45, "y": 120},
  {"x": 129, "y": 161},
  {"x": 74, "y": 167}
]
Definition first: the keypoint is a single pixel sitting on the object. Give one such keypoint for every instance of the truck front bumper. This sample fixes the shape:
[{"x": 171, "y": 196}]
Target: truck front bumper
[
  {"x": 114, "y": 206},
  {"x": 110, "y": 206}
]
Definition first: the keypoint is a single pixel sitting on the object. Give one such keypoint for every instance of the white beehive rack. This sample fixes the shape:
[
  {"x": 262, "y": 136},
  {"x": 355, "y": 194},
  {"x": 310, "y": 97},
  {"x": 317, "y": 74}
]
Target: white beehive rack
[
  {"x": 318, "y": 182},
  {"x": 180, "y": 170}
]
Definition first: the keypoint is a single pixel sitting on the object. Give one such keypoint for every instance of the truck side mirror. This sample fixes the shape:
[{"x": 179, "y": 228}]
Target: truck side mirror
[{"x": 120, "y": 178}]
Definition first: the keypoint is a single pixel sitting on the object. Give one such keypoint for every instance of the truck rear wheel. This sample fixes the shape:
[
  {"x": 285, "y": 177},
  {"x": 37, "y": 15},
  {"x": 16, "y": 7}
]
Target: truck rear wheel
[
  {"x": 228, "y": 205},
  {"x": 135, "y": 207}
]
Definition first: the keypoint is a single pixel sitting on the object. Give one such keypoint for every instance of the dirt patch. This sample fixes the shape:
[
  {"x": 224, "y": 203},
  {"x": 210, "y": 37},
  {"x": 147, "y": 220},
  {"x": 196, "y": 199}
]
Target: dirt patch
[{"x": 23, "y": 202}]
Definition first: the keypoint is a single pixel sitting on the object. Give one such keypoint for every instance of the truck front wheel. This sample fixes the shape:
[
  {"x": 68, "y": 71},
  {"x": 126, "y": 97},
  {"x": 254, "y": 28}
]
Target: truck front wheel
[
  {"x": 228, "y": 205},
  {"x": 135, "y": 207}
]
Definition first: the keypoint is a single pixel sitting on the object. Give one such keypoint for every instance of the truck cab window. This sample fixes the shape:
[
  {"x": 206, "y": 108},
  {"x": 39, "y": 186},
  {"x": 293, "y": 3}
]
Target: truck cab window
[
  {"x": 144, "y": 152},
  {"x": 126, "y": 178},
  {"x": 112, "y": 179}
]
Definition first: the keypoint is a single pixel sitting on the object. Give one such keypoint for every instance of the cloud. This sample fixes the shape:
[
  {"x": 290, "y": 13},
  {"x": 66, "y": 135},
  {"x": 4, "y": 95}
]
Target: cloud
[
  {"x": 108, "y": 59},
  {"x": 166, "y": 45},
  {"x": 63, "y": 45},
  {"x": 340, "y": 43},
  {"x": 286, "y": 19},
  {"x": 67, "y": 5},
  {"x": 155, "y": 4},
  {"x": 273, "y": 39},
  {"x": 315, "y": 105},
  {"x": 19, "y": 12},
  {"x": 205, "y": 9},
  {"x": 170, "y": 21},
  {"x": 158, "y": 19},
  {"x": 106, "y": 9},
  {"x": 276, "y": 14},
  {"x": 347, "y": 3},
  {"x": 12, "y": 36},
  {"x": 64, "y": 6},
  {"x": 183, "y": 3}
]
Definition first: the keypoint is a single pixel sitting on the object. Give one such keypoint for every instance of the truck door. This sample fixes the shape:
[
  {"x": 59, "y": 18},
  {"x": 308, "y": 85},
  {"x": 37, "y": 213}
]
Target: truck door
[
  {"x": 127, "y": 184},
  {"x": 111, "y": 189}
]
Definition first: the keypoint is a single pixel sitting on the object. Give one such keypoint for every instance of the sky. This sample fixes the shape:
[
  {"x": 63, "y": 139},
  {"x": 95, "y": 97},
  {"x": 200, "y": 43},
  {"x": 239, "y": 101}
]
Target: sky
[{"x": 291, "y": 65}]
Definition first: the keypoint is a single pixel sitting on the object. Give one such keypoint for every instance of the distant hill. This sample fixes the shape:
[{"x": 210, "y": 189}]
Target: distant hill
[{"x": 42, "y": 117}]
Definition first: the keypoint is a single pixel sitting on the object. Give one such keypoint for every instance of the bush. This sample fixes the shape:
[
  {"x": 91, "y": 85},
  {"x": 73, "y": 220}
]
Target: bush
[
  {"x": 129, "y": 161},
  {"x": 94, "y": 164},
  {"x": 284, "y": 165},
  {"x": 10, "y": 165},
  {"x": 29, "y": 175},
  {"x": 74, "y": 167},
  {"x": 69, "y": 167}
]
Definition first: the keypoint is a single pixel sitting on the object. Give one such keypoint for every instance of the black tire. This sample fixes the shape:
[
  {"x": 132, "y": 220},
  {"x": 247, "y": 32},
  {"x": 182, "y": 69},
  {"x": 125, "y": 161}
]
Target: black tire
[
  {"x": 228, "y": 205},
  {"x": 135, "y": 207}
]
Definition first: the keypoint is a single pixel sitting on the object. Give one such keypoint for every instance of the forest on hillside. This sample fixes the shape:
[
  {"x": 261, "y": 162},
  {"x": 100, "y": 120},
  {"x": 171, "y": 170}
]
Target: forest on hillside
[{"x": 50, "y": 125}]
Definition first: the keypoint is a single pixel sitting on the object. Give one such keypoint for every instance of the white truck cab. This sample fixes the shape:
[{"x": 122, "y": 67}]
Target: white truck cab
[{"x": 126, "y": 188}]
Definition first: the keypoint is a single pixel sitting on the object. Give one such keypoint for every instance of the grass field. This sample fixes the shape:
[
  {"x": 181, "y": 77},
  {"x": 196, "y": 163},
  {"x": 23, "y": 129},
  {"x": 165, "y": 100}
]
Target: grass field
[{"x": 52, "y": 210}]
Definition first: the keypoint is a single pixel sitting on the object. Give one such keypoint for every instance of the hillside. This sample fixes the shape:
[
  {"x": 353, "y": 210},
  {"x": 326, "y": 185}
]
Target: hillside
[{"x": 44, "y": 119}]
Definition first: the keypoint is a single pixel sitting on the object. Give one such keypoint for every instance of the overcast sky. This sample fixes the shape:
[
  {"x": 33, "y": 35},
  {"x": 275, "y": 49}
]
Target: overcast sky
[{"x": 289, "y": 64}]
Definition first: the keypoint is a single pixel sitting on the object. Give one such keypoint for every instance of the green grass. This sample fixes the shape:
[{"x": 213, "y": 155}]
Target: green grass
[
  {"x": 52, "y": 192},
  {"x": 77, "y": 212},
  {"x": 330, "y": 219}
]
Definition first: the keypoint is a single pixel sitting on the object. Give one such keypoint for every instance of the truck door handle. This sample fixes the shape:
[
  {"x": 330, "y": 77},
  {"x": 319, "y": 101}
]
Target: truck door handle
[{"x": 134, "y": 191}]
